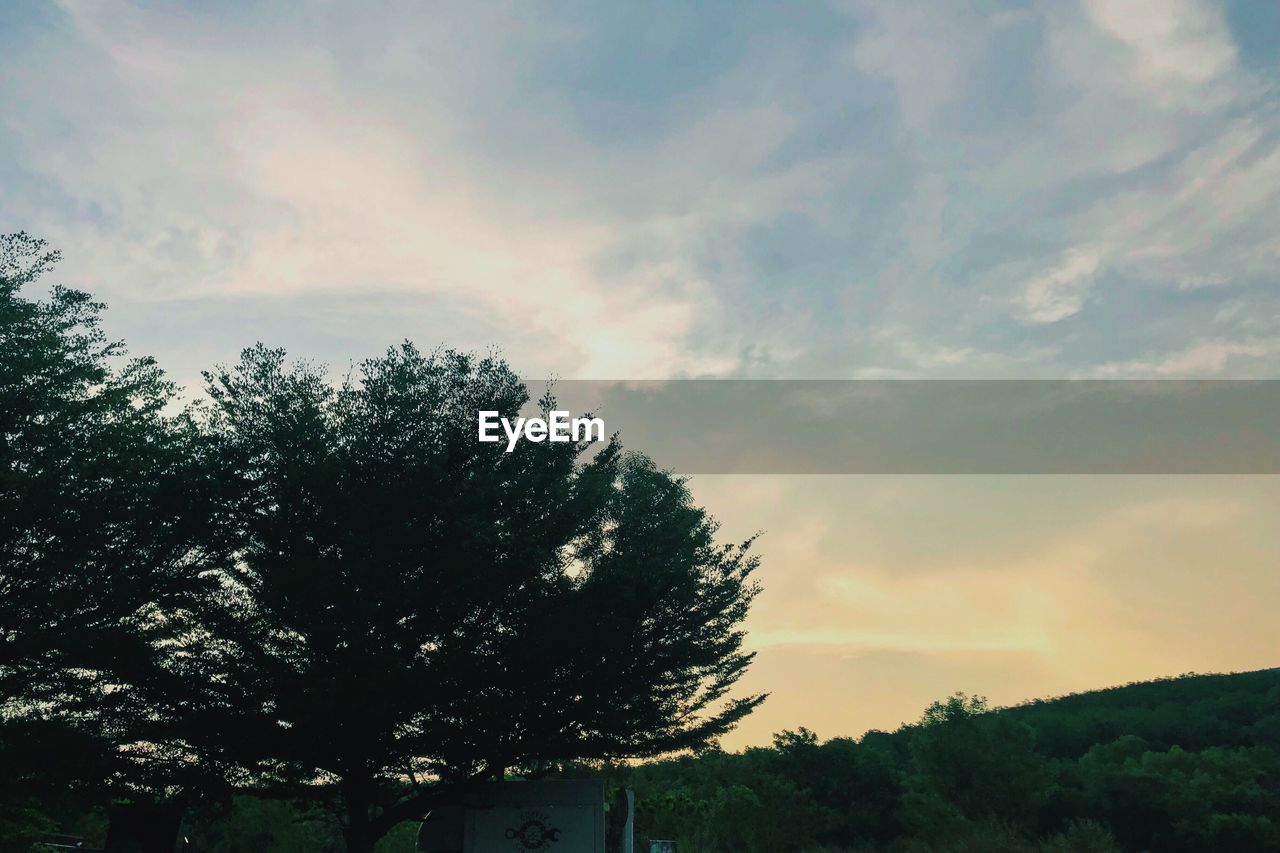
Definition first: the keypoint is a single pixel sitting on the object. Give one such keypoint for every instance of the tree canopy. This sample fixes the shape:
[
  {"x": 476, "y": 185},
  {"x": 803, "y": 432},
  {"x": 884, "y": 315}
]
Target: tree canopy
[
  {"x": 334, "y": 591},
  {"x": 96, "y": 547},
  {"x": 403, "y": 610}
]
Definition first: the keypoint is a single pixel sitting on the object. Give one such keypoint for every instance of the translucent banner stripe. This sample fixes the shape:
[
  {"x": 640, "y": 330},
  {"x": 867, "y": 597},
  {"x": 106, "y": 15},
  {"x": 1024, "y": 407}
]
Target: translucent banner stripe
[{"x": 939, "y": 427}]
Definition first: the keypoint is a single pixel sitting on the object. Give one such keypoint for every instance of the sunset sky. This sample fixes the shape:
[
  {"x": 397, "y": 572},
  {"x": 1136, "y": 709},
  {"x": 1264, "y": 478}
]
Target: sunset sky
[{"x": 846, "y": 190}]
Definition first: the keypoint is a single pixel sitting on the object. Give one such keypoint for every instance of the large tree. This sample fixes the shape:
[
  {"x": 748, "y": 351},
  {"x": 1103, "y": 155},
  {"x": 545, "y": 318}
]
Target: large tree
[
  {"x": 95, "y": 548},
  {"x": 405, "y": 611}
]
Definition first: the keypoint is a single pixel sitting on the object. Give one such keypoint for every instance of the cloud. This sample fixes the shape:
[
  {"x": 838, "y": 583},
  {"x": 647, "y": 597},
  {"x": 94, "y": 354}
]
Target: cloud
[
  {"x": 1205, "y": 358},
  {"x": 217, "y": 168},
  {"x": 1054, "y": 142},
  {"x": 1169, "y": 43},
  {"x": 1059, "y": 293},
  {"x": 911, "y": 189}
]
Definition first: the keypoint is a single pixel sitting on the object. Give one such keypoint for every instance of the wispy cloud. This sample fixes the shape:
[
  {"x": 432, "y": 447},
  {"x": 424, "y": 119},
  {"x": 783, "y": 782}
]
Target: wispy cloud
[
  {"x": 912, "y": 189},
  {"x": 1060, "y": 292},
  {"x": 1206, "y": 358}
]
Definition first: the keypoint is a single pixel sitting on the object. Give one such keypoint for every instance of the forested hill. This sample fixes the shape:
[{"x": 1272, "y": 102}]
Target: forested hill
[
  {"x": 1189, "y": 711},
  {"x": 1190, "y": 763}
]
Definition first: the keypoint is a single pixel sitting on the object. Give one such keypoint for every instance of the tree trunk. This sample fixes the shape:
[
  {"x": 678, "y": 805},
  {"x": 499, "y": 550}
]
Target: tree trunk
[
  {"x": 359, "y": 832},
  {"x": 361, "y": 841}
]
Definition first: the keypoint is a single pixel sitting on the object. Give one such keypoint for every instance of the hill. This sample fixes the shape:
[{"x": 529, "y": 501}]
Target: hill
[
  {"x": 1190, "y": 763},
  {"x": 1191, "y": 711}
]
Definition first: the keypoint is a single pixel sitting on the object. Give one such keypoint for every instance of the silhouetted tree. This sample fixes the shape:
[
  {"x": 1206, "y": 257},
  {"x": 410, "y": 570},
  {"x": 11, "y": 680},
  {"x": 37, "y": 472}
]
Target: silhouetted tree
[
  {"x": 95, "y": 551},
  {"x": 405, "y": 610}
]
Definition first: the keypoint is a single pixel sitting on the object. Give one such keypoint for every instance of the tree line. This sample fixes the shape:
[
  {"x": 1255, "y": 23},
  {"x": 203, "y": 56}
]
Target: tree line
[
  {"x": 1179, "y": 765},
  {"x": 327, "y": 591}
]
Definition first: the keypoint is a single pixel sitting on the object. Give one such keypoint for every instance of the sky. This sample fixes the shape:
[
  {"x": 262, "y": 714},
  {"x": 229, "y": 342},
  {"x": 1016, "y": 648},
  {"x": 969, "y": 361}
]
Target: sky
[{"x": 1052, "y": 189}]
